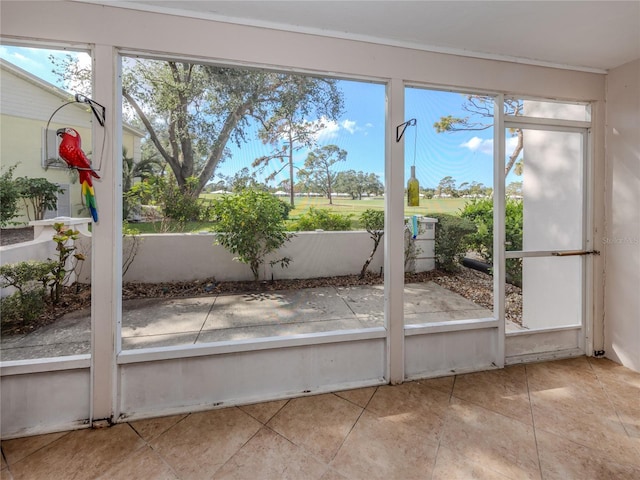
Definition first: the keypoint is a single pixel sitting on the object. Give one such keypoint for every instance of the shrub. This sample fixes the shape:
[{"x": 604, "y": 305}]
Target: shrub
[
  {"x": 251, "y": 225},
  {"x": 452, "y": 240},
  {"x": 373, "y": 222},
  {"x": 66, "y": 261},
  {"x": 29, "y": 279},
  {"x": 40, "y": 193},
  {"x": 179, "y": 205},
  {"x": 480, "y": 212},
  {"x": 322, "y": 219},
  {"x": 9, "y": 197}
]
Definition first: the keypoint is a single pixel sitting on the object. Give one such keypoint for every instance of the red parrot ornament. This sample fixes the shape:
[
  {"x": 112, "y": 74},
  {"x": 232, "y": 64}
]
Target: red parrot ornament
[{"x": 70, "y": 151}]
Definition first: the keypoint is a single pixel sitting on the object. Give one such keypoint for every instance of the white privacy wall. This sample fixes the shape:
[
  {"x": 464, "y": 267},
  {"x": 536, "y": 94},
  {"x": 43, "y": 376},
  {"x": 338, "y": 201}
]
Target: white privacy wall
[{"x": 622, "y": 234}]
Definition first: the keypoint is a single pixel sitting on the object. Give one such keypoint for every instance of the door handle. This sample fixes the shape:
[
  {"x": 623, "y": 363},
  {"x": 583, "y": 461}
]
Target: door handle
[{"x": 575, "y": 253}]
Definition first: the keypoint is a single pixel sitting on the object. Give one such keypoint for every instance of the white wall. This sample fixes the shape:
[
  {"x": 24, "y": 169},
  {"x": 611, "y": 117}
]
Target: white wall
[{"x": 622, "y": 234}]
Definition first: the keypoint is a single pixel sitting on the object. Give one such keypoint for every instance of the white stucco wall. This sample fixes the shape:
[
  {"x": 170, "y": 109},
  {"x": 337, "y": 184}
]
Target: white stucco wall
[{"x": 622, "y": 233}]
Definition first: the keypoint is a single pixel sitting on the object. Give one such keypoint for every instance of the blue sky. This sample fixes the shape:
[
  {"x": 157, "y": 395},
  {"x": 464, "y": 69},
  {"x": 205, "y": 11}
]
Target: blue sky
[{"x": 465, "y": 156}]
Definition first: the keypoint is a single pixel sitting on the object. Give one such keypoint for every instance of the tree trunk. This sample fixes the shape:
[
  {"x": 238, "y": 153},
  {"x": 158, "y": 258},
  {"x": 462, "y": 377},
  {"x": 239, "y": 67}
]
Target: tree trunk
[
  {"x": 376, "y": 242},
  {"x": 516, "y": 151}
]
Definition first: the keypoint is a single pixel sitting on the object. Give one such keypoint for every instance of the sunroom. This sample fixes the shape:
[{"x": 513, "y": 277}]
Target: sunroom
[{"x": 567, "y": 125}]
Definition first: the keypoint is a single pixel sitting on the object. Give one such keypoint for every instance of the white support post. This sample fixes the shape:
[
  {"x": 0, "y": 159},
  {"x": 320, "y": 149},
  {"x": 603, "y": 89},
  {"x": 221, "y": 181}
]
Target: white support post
[
  {"x": 106, "y": 268},
  {"x": 499, "y": 155},
  {"x": 394, "y": 234}
]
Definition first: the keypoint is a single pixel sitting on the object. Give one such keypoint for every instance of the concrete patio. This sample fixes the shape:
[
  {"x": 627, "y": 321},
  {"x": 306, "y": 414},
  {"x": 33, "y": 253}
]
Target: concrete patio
[{"x": 183, "y": 321}]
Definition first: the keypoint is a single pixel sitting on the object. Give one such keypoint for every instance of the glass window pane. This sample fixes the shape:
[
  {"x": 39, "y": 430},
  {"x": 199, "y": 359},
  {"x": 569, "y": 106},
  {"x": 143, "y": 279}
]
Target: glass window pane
[
  {"x": 550, "y": 190},
  {"x": 551, "y": 291},
  {"x": 449, "y": 151},
  {"x": 552, "y": 110},
  {"x": 250, "y": 213},
  {"x": 46, "y": 305}
]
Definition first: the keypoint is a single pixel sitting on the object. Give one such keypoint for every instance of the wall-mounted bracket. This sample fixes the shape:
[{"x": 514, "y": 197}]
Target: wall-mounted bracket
[{"x": 400, "y": 133}]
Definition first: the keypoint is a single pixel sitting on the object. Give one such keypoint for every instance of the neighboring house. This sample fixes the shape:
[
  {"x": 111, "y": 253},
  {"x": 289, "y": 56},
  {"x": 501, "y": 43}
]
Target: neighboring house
[{"x": 26, "y": 103}]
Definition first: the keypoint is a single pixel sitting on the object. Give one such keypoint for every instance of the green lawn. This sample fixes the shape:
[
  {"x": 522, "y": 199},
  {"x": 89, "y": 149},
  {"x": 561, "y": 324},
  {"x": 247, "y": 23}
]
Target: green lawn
[{"x": 340, "y": 205}]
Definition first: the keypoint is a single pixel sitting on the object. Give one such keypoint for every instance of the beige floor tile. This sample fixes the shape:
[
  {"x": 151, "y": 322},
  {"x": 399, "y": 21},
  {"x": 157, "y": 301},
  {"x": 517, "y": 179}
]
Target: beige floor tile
[
  {"x": 317, "y": 423},
  {"x": 5, "y": 474},
  {"x": 622, "y": 387},
  {"x": 562, "y": 459},
  {"x": 502, "y": 391},
  {"x": 331, "y": 474},
  {"x": 144, "y": 464},
  {"x": 588, "y": 419},
  {"x": 82, "y": 454},
  {"x": 19, "y": 448},
  {"x": 150, "y": 428},
  {"x": 574, "y": 372},
  {"x": 453, "y": 466},
  {"x": 263, "y": 412},
  {"x": 270, "y": 456},
  {"x": 417, "y": 407},
  {"x": 500, "y": 443},
  {"x": 444, "y": 384},
  {"x": 200, "y": 444},
  {"x": 381, "y": 448},
  {"x": 359, "y": 396}
]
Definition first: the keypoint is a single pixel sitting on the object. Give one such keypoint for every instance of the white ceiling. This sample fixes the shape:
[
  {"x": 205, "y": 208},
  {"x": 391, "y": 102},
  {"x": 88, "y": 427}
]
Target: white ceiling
[{"x": 583, "y": 35}]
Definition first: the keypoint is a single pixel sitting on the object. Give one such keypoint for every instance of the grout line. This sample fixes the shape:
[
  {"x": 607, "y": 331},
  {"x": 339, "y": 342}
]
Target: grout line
[
  {"x": 352, "y": 426},
  {"x": 533, "y": 422},
  {"x": 205, "y": 319},
  {"x": 611, "y": 402}
]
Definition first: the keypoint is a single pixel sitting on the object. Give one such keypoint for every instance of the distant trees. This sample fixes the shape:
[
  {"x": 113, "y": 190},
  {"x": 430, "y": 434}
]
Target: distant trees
[
  {"x": 319, "y": 168},
  {"x": 359, "y": 183},
  {"x": 288, "y": 128},
  {"x": 447, "y": 188}
]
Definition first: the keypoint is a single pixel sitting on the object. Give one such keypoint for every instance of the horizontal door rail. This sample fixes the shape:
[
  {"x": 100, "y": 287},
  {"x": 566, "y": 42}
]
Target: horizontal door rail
[{"x": 549, "y": 253}]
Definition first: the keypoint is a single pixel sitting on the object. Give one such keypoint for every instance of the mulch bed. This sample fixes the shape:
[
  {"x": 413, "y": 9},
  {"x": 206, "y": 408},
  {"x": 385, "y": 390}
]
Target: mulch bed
[{"x": 9, "y": 236}]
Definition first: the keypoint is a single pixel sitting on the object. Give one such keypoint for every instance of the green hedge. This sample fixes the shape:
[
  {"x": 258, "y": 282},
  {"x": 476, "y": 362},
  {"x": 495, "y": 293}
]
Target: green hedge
[
  {"x": 452, "y": 240},
  {"x": 322, "y": 219}
]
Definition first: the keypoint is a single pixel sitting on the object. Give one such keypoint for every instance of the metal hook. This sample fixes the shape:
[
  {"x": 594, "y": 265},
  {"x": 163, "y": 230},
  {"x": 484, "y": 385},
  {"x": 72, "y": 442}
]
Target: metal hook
[
  {"x": 100, "y": 116},
  {"x": 406, "y": 124}
]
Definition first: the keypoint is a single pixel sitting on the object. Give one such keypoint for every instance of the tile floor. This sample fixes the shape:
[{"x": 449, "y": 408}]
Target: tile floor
[{"x": 568, "y": 419}]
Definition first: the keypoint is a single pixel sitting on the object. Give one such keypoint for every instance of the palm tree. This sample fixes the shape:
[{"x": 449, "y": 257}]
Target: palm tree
[{"x": 144, "y": 169}]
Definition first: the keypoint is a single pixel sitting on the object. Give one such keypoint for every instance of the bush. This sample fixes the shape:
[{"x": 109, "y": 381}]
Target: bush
[
  {"x": 29, "y": 279},
  {"x": 322, "y": 219},
  {"x": 22, "y": 308},
  {"x": 373, "y": 223},
  {"x": 66, "y": 261},
  {"x": 452, "y": 240},
  {"x": 40, "y": 193},
  {"x": 178, "y": 205},
  {"x": 9, "y": 197},
  {"x": 251, "y": 225},
  {"x": 480, "y": 212}
]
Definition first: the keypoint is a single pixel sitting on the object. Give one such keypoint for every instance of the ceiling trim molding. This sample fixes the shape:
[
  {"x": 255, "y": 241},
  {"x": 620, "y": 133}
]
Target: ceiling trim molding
[{"x": 341, "y": 35}]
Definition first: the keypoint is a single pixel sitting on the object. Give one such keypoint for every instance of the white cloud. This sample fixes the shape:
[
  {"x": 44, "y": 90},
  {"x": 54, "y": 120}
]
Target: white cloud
[
  {"x": 477, "y": 144},
  {"x": 329, "y": 130},
  {"x": 349, "y": 125}
]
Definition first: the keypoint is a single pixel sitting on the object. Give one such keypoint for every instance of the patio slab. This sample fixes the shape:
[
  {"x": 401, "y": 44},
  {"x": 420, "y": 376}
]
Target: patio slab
[{"x": 150, "y": 323}]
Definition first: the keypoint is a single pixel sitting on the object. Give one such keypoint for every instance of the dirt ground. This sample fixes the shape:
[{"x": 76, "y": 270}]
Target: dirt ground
[{"x": 9, "y": 236}]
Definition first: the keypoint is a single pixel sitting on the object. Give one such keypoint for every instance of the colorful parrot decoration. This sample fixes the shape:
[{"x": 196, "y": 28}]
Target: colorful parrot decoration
[{"x": 70, "y": 151}]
